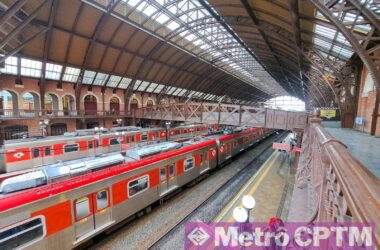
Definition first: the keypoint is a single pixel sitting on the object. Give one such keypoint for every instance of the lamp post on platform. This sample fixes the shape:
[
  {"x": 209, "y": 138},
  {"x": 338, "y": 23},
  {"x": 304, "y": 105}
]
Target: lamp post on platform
[
  {"x": 248, "y": 203},
  {"x": 167, "y": 130}
]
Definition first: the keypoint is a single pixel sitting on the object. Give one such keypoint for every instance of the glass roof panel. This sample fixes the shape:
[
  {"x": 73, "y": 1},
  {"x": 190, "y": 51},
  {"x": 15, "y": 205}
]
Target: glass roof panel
[
  {"x": 151, "y": 87},
  {"x": 31, "y": 67},
  {"x": 113, "y": 81},
  {"x": 53, "y": 71},
  {"x": 71, "y": 74},
  {"x": 137, "y": 84},
  {"x": 100, "y": 79},
  {"x": 159, "y": 88},
  {"x": 171, "y": 90},
  {"x": 143, "y": 86},
  {"x": 124, "y": 83},
  {"x": 88, "y": 77},
  {"x": 11, "y": 65}
]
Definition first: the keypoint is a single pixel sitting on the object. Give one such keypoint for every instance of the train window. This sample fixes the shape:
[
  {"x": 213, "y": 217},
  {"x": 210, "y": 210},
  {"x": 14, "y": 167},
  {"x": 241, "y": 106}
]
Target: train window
[
  {"x": 96, "y": 144},
  {"x": 132, "y": 138},
  {"x": 22, "y": 234},
  {"x": 189, "y": 164},
  {"x": 144, "y": 137},
  {"x": 201, "y": 158},
  {"x": 127, "y": 139},
  {"x": 47, "y": 151},
  {"x": 36, "y": 152},
  {"x": 198, "y": 129},
  {"x": 114, "y": 141},
  {"x": 138, "y": 186},
  {"x": 82, "y": 208},
  {"x": 101, "y": 200},
  {"x": 171, "y": 170},
  {"x": 71, "y": 148},
  {"x": 90, "y": 145},
  {"x": 163, "y": 174},
  {"x": 185, "y": 131}
]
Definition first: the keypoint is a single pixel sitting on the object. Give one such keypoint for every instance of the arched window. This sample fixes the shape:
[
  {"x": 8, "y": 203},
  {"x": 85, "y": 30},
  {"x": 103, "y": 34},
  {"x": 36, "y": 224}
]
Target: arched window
[
  {"x": 134, "y": 105},
  {"x": 51, "y": 103},
  {"x": 114, "y": 105},
  {"x": 68, "y": 104},
  {"x": 31, "y": 101},
  {"x": 8, "y": 103},
  {"x": 90, "y": 104},
  {"x": 149, "y": 104}
]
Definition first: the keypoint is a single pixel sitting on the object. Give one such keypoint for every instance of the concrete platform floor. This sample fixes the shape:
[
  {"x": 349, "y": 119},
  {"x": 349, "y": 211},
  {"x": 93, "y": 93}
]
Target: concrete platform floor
[
  {"x": 271, "y": 187},
  {"x": 362, "y": 146}
]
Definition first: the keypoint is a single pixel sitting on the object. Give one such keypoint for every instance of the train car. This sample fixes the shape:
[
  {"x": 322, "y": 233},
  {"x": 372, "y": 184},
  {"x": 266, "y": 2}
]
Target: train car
[
  {"x": 64, "y": 205},
  {"x": 187, "y": 131},
  {"x": 28, "y": 153},
  {"x": 22, "y": 154}
]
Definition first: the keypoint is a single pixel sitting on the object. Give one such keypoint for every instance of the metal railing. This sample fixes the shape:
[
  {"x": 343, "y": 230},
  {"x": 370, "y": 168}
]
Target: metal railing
[
  {"x": 342, "y": 189},
  {"x": 46, "y": 113}
]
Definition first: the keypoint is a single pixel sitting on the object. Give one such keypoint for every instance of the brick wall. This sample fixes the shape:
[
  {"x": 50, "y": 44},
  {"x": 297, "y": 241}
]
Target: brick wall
[{"x": 366, "y": 105}]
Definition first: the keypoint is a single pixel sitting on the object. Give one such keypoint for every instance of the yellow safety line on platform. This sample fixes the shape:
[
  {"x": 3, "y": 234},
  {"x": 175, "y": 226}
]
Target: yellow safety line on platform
[{"x": 265, "y": 171}]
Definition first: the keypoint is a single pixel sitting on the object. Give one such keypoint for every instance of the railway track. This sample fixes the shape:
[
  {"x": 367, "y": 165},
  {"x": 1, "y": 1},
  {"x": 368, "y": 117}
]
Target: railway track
[{"x": 229, "y": 188}]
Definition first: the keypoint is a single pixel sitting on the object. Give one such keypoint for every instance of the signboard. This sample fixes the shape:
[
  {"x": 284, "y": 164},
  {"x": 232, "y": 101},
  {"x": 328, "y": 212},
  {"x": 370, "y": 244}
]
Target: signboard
[
  {"x": 359, "y": 120},
  {"x": 331, "y": 113},
  {"x": 281, "y": 146}
]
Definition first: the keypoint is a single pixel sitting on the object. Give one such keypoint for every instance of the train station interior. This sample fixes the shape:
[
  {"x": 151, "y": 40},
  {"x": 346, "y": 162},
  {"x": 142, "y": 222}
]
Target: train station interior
[{"x": 189, "y": 124}]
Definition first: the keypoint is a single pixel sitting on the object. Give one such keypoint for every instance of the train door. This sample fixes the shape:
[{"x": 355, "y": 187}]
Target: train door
[
  {"x": 167, "y": 179},
  {"x": 229, "y": 150},
  {"x": 204, "y": 162},
  {"x": 92, "y": 212}
]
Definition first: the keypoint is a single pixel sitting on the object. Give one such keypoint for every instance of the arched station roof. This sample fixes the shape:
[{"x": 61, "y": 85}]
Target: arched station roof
[{"x": 249, "y": 51}]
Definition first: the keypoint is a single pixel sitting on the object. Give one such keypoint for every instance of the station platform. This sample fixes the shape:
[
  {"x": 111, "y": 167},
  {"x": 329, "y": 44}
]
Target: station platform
[
  {"x": 271, "y": 187},
  {"x": 362, "y": 146}
]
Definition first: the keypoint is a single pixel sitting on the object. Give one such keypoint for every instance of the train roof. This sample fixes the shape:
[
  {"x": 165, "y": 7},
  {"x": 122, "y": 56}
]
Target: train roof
[{"x": 27, "y": 196}]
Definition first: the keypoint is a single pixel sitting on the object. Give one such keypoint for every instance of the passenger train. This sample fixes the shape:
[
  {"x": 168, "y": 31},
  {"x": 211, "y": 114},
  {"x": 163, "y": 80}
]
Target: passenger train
[
  {"x": 62, "y": 206},
  {"x": 22, "y": 154}
]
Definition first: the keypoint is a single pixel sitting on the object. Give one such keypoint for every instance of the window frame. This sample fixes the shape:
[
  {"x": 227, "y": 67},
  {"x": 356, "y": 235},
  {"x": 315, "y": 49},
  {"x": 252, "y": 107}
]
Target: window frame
[
  {"x": 43, "y": 223},
  {"x": 113, "y": 139},
  {"x": 90, "y": 208},
  {"x": 64, "y": 148},
  {"x": 96, "y": 200},
  {"x": 35, "y": 150},
  {"x": 141, "y": 191},
  {"x": 166, "y": 174},
  {"x": 47, "y": 149},
  {"x": 184, "y": 165},
  {"x": 173, "y": 174}
]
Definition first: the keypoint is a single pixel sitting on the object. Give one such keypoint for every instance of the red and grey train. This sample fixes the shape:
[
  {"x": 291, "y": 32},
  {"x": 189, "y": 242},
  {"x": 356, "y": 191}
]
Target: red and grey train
[
  {"x": 68, "y": 204},
  {"x": 21, "y": 154}
]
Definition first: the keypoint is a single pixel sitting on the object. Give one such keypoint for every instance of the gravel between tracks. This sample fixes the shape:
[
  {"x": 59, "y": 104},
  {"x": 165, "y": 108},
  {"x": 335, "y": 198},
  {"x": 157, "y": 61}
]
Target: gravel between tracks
[{"x": 146, "y": 230}]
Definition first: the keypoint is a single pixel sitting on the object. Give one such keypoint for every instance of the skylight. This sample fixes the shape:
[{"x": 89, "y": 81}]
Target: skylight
[
  {"x": 180, "y": 26},
  {"x": 11, "y": 64},
  {"x": 53, "y": 71},
  {"x": 88, "y": 77},
  {"x": 31, "y": 67},
  {"x": 71, "y": 74},
  {"x": 113, "y": 81}
]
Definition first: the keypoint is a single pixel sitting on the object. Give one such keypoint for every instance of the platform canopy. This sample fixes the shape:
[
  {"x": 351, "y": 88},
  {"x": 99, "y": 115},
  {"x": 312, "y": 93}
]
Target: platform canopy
[{"x": 249, "y": 51}]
